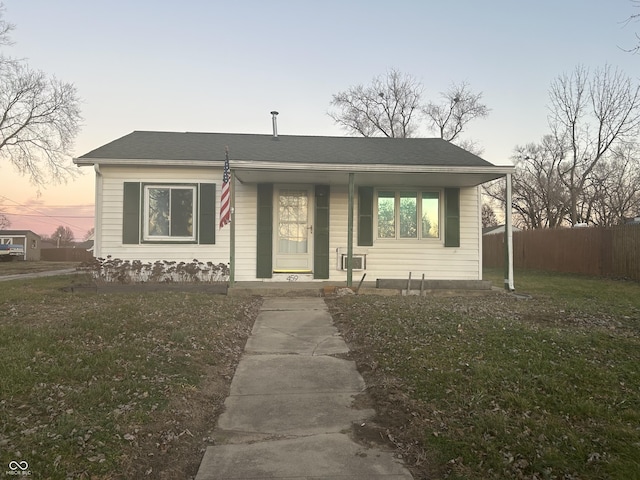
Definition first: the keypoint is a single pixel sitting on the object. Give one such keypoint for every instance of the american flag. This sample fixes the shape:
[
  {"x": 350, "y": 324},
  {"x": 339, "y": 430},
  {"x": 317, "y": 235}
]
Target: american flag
[{"x": 225, "y": 201}]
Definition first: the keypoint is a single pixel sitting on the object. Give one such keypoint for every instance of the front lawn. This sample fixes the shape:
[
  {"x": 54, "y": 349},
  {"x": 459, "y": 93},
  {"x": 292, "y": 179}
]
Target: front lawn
[
  {"x": 496, "y": 387},
  {"x": 113, "y": 386}
]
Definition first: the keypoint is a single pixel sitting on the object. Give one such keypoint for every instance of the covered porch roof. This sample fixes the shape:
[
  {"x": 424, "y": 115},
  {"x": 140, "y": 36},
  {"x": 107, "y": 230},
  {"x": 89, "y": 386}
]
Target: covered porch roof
[{"x": 433, "y": 176}]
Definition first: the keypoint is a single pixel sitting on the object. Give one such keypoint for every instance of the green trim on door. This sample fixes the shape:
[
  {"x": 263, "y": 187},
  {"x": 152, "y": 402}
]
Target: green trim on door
[
  {"x": 321, "y": 233},
  {"x": 131, "y": 213},
  {"x": 365, "y": 216},
  {"x": 264, "y": 238},
  {"x": 452, "y": 217}
]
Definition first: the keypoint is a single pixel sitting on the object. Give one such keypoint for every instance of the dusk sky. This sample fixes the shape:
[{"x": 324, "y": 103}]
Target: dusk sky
[{"x": 213, "y": 66}]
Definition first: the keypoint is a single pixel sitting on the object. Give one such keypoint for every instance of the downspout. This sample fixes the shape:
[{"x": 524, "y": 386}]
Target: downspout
[
  {"x": 350, "y": 232},
  {"x": 97, "y": 213},
  {"x": 508, "y": 234},
  {"x": 480, "y": 239}
]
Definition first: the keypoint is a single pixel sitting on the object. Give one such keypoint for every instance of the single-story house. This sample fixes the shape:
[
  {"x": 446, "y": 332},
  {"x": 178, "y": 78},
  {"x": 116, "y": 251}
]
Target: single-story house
[
  {"x": 29, "y": 240},
  {"x": 303, "y": 207}
]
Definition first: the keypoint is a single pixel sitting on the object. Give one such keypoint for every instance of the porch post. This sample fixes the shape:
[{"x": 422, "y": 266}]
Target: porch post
[
  {"x": 350, "y": 232},
  {"x": 232, "y": 229},
  {"x": 508, "y": 239}
]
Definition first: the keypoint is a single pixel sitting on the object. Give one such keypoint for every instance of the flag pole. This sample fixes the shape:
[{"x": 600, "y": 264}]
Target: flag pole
[{"x": 227, "y": 211}]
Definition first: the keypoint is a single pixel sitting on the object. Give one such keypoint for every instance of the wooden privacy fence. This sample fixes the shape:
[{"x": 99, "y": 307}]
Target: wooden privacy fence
[
  {"x": 65, "y": 255},
  {"x": 601, "y": 251}
]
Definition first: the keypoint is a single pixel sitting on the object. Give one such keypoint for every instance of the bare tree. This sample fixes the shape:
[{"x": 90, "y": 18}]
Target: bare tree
[
  {"x": 64, "y": 235},
  {"x": 613, "y": 192},
  {"x": 39, "y": 118},
  {"x": 90, "y": 233},
  {"x": 539, "y": 198},
  {"x": 586, "y": 170},
  {"x": 591, "y": 116},
  {"x": 387, "y": 107},
  {"x": 390, "y": 106},
  {"x": 459, "y": 106},
  {"x": 488, "y": 216},
  {"x": 634, "y": 18},
  {"x": 4, "y": 221},
  {"x": 5, "y": 28}
]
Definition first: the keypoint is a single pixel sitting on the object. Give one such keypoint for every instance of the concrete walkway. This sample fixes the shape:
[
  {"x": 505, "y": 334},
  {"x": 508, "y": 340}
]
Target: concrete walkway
[{"x": 290, "y": 408}]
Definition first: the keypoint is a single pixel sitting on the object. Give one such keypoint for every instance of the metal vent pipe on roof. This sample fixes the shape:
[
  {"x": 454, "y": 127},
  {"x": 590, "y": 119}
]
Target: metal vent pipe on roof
[{"x": 274, "y": 114}]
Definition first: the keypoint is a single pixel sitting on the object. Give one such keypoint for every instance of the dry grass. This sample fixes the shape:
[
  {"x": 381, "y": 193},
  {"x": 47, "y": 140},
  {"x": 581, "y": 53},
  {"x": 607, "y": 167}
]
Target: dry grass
[
  {"x": 113, "y": 386},
  {"x": 494, "y": 387}
]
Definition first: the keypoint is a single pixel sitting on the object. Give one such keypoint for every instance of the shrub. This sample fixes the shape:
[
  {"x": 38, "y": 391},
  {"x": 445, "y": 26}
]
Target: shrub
[{"x": 115, "y": 270}]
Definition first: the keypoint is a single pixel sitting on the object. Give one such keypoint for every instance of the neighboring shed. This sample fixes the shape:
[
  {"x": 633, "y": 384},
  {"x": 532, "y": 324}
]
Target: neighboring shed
[{"x": 29, "y": 240}]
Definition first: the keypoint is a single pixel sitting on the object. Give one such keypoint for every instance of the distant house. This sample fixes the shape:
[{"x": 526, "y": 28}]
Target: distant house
[
  {"x": 498, "y": 229},
  {"x": 29, "y": 240},
  {"x": 48, "y": 243},
  {"x": 301, "y": 206}
]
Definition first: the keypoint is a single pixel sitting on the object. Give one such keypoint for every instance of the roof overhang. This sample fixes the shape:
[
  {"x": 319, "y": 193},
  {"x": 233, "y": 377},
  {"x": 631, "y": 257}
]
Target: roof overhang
[
  {"x": 331, "y": 173},
  {"x": 388, "y": 175}
]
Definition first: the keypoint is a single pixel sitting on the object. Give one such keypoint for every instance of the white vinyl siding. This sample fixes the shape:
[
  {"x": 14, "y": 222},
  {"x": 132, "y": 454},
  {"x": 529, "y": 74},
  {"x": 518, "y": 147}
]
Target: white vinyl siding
[
  {"x": 396, "y": 258},
  {"x": 109, "y": 209},
  {"x": 246, "y": 200},
  {"x": 385, "y": 259}
]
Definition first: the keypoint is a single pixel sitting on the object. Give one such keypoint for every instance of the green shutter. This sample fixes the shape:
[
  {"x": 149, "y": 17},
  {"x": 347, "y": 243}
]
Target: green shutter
[
  {"x": 207, "y": 214},
  {"x": 131, "y": 213},
  {"x": 365, "y": 216},
  {"x": 264, "y": 247},
  {"x": 452, "y": 217},
  {"x": 321, "y": 233}
]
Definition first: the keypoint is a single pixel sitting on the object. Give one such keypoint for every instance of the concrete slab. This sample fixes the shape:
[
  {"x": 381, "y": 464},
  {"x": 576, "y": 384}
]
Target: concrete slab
[
  {"x": 284, "y": 343},
  {"x": 288, "y": 332},
  {"x": 286, "y": 415},
  {"x": 304, "y": 304},
  {"x": 280, "y": 374},
  {"x": 294, "y": 319},
  {"x": 331, "y": 456}
]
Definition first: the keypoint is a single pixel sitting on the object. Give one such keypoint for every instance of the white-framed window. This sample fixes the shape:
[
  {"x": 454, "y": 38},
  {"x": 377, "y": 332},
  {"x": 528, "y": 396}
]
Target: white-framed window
[
  {"x": 169, "y": 212},
  {"x": 408, "y": 214}
]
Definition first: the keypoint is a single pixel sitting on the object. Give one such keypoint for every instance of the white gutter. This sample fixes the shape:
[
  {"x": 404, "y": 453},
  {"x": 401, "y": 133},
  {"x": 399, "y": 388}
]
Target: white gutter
[
  {"x": 375, "y": 167},
  {"x": 326, "y": 167},
  {"x": 84, "y": 162}
]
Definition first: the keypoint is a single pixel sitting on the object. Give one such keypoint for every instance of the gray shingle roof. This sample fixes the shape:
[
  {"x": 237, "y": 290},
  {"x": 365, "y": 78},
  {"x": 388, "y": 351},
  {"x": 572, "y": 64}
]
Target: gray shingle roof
[
  {"x": 8, "y": 233},
  {"x": 160, "y": 146}
]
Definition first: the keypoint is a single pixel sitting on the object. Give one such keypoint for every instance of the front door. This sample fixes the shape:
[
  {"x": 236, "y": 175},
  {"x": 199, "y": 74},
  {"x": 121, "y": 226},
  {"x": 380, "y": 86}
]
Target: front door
[{"x": 293, "y": 242}]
